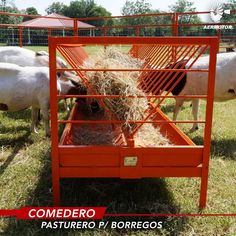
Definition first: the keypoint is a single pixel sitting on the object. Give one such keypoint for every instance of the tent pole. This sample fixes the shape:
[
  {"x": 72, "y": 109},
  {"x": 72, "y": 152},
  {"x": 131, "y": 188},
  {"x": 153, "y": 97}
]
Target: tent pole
[{"x": 29, "y": 40}]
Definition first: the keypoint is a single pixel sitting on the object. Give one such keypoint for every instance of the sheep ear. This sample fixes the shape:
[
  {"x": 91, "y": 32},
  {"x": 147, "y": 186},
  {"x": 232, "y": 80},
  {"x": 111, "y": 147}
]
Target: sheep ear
[
  {"x": 41, "y": 53},
  {"x": 58, "y": 75},
  {"x": 74, "y": 80}
]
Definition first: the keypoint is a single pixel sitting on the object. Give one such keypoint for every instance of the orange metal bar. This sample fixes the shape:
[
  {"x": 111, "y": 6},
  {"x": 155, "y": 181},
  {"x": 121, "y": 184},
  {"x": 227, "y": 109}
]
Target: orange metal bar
[
  {"x": 122, "y": 70},
  {"x": 67, "y": 55},
  {"x": 118, "y": 96},
  {"x": 75, "y": 27},
  {"x": 128, "y": 121},
  {"x": 162, "y": 80},
  {"x": 167, "y": 76},
  {"x": 20, "y": 37},
  {"x": 184, "y": 64},
  {"x": 161, "y": 61},
  {"x": 131, "y": 40},
  {"x": 209, "y": 114},
  {"x": 54, "y": 123},
  {"x": 129, "y": 173},
  {"x": 175, "y": 27},
  {"x": 150, "y": 114}
]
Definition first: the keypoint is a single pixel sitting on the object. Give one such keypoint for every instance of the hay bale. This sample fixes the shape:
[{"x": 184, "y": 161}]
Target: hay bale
[
  {"x": 118, "y": 83},
  {"x": 123, "y": 83}
]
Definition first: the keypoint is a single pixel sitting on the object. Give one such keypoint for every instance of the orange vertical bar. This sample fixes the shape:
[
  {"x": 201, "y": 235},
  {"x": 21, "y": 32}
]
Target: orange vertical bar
[
  {"x": 175, "y": 24},
  {"x": 20, "y": 37},
  {"x": 209, "y": 114},
  {"x": 49, "y": 32},
  {"x": 54, "y": 123},
  {"x": 137, "y": 31},
  {"x": 105, "y": 31},
  {"x": 219, "y": 37},
  {"x": 75, "y": 27},
  {"x": 175, "y": 32}
]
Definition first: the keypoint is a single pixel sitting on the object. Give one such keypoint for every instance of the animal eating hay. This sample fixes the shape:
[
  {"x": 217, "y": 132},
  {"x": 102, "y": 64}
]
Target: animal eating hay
[{"x": 123, "y": 108}]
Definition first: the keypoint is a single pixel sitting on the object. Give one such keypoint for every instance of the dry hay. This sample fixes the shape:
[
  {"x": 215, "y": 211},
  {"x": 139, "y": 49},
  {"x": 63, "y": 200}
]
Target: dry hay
[
  {"x": 87, "y": 135},
  {"x": 93, "y": 134},
  {"x": 122, "y": 83},
  {"x": 118, "y": 83}
]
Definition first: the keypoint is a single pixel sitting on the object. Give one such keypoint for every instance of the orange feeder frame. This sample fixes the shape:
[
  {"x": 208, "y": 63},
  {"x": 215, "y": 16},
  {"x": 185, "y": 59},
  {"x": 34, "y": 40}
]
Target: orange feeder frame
[{"x": 124, "y": 159}]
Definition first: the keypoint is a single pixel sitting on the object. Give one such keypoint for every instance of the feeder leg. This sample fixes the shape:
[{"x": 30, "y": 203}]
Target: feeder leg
[
  {"x": 56, "y": 191},
  {"x": 203, "y": 191}
]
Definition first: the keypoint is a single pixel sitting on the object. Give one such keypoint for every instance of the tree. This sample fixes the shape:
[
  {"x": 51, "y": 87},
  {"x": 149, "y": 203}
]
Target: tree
[
  {"x": 230, "y": 5},
  {"x": 9, "y": 7},
  {"x": 135, "y": 8},
  {"x": 187, "y": 6},
  {"x": 86, "y": 9},
  {"x": 8, "y": 35},
  {"x": 56, "y": 7},
  {"x": 30, "y": 11}
]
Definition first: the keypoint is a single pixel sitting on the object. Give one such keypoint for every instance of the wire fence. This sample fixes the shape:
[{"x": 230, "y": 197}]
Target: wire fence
[{"x": 30, "y": 30}]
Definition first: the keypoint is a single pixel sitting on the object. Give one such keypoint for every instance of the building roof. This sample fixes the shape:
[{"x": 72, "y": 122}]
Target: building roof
[{"x": 54, "y": 23}]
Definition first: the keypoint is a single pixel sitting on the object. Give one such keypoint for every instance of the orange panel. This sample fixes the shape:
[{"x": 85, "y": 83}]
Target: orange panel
[
  {"x": 92, "y": 172},
  {"x": 128, "y": 172},
  {"x": 89, "y": 160},
  {"x": 174, "y": 157}
]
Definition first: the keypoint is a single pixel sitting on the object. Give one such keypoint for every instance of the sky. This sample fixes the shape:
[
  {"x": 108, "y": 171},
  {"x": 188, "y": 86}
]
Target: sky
[{"x": 114, "y": 6}]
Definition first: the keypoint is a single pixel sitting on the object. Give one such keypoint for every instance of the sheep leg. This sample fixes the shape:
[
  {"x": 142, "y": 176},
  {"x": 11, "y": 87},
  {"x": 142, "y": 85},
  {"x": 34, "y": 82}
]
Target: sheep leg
[
  {"x": 66, "y": 105},
  {"x": 71, "y": 102},
  {"x": 45, "y": 114},
  {"x": 38, "y": 118},
  {"x": 34, "y": 115},
  {"x": 195, "y": 108},
  {"x": 178, "y": 104}
]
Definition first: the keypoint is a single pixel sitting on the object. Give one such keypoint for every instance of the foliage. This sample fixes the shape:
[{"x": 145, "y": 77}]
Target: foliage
[
  {"x": 185, "y": 6},
  {"x": 230, "y": 5},
  {"x": 81, "y": 9},
  {"x": 5, "y": 19},
  {"x": 56, "y": 7},
  {"x": 137, "y": 7},
  {"x": 86, "y": 9},
  {"x": 30, "y": 11}
]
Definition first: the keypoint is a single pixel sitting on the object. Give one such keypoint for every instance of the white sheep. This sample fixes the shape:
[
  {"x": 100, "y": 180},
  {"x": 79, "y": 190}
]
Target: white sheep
[
  {"x": 25, "y": 57},
  {"x": 24, "y": 87},
  {"x": 196, "y": 82}
]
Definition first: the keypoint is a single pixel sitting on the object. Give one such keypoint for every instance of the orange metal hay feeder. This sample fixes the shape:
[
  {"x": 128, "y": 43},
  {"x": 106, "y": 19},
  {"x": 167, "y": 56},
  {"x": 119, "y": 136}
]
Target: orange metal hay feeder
[{"x": 124, "y": 159}]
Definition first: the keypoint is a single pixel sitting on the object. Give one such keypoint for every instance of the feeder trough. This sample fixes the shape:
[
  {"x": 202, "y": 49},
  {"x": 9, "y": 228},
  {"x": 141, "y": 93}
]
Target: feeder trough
[{"x": 116, "y": 153}]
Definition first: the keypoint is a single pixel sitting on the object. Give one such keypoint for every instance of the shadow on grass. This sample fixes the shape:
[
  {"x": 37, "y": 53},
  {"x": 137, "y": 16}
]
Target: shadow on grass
[
  {"x": 24, "y": 114},
  {"x": 16, "y": 144},
  {"x": 119, "y": 196},
  {"x": 167, "y": 109},
  {"x": 225, "y": 148}
]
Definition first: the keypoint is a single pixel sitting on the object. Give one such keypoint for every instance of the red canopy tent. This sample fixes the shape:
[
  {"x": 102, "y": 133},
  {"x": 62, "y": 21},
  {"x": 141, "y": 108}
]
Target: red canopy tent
[
  {"x": 57, "y": 22},
  {"x": 60, "y": 22}
]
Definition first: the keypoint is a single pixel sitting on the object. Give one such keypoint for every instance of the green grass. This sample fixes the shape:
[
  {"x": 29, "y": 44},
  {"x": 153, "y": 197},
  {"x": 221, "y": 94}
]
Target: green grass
[{"x": 25, "y": 180}]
